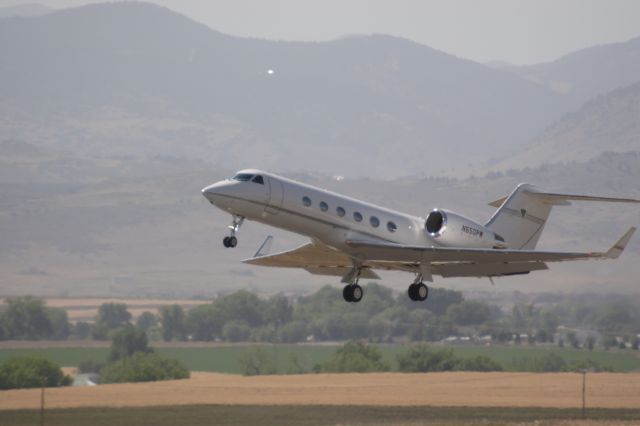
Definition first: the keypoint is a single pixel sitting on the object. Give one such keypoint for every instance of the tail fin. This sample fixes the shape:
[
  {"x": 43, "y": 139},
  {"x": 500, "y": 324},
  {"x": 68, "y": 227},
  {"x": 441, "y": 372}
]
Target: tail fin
[{"x": 522, "y": 215}]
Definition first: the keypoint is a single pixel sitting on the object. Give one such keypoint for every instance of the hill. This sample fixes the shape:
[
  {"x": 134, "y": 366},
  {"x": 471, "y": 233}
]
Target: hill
[
  {"x": 589, "y": 72},
  {"x": 606, "y": 123},
  {"x": 135, "y": 79}
]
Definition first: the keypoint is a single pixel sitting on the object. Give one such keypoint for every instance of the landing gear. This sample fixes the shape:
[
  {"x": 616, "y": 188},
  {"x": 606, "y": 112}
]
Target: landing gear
[
  {"x": 231, "y": 241},
  {"x": 418, "y": 291},
  {"x": 352, "y": 293}
]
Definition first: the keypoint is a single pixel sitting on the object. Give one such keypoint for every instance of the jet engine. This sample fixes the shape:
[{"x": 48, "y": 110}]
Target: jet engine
[{"x": 452, "y": 230}]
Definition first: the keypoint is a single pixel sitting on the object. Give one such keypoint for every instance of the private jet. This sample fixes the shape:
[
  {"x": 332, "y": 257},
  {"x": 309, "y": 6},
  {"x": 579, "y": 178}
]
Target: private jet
[{"x": 351, "y": 238}]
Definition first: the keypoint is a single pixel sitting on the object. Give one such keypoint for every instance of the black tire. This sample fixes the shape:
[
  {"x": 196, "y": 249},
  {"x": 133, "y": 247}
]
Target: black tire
[
  {"x": 412, "y": 292},
  {"x": 346, "y": 293},
  {"x": 421, "y": 292},
  {"x": 225, "y": 242},
  {"x": 356, "y": 293},
  {"x": 233, "y": 241}
]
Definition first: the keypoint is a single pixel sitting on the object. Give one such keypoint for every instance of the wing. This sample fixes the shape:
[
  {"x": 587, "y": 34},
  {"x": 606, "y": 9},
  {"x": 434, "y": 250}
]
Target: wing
[
  {"x": 460, "y": 262},
  {"x": 315, "y": 257}
]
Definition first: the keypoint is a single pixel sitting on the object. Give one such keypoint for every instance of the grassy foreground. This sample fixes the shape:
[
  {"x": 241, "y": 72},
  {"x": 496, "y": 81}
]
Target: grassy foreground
[
  {"x": 224, "y": 359},
  {"x": 313, "y": 415}
]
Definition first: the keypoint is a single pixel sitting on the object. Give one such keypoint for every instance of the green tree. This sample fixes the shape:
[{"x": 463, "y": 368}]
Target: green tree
[
  {"x": 81, "y": 330},
  {"x": 26, "y": 318},
  {"x": 236, "y": 331},
  {"x": 355, "y": 357},
  {"x": 590, "y": 342},
  {"x": 469, "y": 312},
  {"x": 278, "y": 310},
  {"x": 242, "y": 306},
  {"x": 146, "y": 321},
  {"x": 143, "y": 367},
  {"x": 172, "y": 319},
  {"x": 128, "y": 341},
  {"x": 293, "y": 332},
  {"x": 29, "y": 372},
  {"x": 255, "y": 362},
  {"x": 60, "y": 327},
  {"x": 113, "y": 315},
  {"x": 204, "y": 322}
]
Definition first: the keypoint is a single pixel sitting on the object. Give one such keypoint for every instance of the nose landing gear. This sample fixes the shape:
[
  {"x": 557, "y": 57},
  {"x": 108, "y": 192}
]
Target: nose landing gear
[{"x": 231, "y": 241}]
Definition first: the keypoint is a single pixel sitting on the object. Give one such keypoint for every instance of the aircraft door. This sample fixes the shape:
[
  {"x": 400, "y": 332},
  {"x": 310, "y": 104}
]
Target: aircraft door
[{"x": 276, "y": 196}]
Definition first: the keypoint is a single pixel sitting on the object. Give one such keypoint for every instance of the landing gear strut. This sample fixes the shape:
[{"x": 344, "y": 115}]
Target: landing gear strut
[
  {"x": 231, "y": 241},
  {"x": 418, "y": 291},
  {"x": 352, "y": 292}
]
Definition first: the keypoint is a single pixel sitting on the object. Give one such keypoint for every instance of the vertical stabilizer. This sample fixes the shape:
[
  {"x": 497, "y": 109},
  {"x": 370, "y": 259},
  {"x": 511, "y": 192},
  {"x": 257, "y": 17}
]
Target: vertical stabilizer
[{"x": 521, "y": 217}]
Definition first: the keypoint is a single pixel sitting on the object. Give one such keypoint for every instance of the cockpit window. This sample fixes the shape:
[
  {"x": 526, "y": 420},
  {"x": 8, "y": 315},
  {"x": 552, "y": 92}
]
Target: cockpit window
[
  {"x": 258, "y": 179},
  {"x": 242, "y": 177}
]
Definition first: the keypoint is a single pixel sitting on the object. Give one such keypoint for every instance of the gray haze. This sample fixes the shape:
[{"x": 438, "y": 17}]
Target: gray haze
[
  {"x": 519, "y": 32},
  {"x": 114, "y": 116}
]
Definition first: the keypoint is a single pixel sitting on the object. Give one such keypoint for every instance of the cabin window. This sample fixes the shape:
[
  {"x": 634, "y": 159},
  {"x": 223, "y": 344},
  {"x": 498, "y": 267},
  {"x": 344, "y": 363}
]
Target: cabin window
[
  {"x": 324, "y": 206},
  {"x": 357, "y": 216},
  {"x": 374, "y": 221},
  {"x": 391, "y": 226},
  {"x": 306, "y": 201},
  {"x": 258, "y": 179},
  {"x": 340, "y": 211},
  {"x": 242, "y": 177}
]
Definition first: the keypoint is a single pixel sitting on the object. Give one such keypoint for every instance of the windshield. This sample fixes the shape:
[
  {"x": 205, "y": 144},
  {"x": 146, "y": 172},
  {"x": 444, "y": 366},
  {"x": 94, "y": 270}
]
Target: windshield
[{"x": 242, "y": 177}]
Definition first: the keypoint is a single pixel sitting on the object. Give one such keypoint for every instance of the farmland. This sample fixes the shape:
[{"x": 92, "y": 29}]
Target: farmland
[{"x": 223, "y": 358}]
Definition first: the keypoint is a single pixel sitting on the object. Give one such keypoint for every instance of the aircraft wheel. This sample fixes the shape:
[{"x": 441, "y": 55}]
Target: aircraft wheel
[
  {"x": 346, "y": 293},
  {"x": 356, "y": 293},
  {"x": 225, "y": 242},
  {"x": 421, "y": 292},
  {"x": 233, "y": 241}
]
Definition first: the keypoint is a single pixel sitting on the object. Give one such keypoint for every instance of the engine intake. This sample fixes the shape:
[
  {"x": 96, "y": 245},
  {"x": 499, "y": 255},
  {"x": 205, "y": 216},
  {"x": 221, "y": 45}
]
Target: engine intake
[{"x": 452, "y": 230}]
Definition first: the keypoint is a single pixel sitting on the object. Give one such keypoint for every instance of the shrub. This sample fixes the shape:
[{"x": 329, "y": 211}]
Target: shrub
[
  {"x": 143, "y": 367},
  {"x": 255, "y": 362},
  {"x": 354, "y": 357},
  {"x": 28, "y": 372},
  {"x": 478, "y": 363},
  {"x": 128, "y": 341},
  {"x": 421, "y": 359}
]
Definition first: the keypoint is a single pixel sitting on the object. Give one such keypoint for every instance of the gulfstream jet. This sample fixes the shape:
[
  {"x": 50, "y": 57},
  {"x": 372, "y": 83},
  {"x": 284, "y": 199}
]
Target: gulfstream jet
[{"x": 351, "y": 238}]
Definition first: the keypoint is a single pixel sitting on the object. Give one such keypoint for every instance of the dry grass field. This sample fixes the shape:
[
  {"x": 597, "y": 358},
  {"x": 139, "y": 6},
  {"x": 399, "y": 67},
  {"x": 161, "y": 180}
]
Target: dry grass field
[{"x": 552, "y": 390}]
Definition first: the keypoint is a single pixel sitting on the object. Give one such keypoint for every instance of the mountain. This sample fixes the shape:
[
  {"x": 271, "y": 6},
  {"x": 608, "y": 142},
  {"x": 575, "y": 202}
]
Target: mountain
[
  {"x": 135, "y": 79},
  {"x": 589, "y": 72},
  {"x": 606, "y": 123},
  {"x": 24, "y": 10}
]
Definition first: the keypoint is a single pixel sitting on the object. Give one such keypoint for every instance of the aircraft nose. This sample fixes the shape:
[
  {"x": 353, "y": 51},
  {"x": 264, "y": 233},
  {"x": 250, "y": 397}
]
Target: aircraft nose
[{"x": 214, "y": 192}]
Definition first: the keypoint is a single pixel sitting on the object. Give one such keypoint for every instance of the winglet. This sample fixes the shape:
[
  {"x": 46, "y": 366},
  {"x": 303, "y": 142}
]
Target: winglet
[
  {"x": 265, "y": 248},
  {"x": 616, "y": 250}
]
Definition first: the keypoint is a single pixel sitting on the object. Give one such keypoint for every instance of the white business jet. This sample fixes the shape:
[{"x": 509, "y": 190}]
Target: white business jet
[{"x": 351, "y": 238}]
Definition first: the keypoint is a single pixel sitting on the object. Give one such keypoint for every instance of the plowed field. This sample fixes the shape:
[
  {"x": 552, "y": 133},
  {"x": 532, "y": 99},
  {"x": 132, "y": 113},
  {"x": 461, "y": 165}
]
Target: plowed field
[{"x": 559, "y": 390}]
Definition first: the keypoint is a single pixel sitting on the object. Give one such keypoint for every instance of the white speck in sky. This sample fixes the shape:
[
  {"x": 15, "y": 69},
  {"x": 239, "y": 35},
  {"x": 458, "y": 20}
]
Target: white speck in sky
[{"x": 270, "y": 71}]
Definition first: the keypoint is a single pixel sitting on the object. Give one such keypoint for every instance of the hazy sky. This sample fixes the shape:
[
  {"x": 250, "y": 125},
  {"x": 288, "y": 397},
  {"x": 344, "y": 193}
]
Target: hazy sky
[{"x": 517, "y": 31}]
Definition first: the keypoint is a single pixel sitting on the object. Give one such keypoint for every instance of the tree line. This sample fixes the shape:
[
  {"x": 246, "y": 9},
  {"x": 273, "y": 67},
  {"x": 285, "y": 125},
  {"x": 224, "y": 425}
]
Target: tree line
[{"x": 323, "y": 316}]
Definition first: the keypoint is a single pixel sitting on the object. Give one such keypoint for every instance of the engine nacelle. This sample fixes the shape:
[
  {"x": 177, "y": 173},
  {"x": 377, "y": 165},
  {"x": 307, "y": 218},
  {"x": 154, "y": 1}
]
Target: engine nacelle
[{"x": 452, "y": 230}]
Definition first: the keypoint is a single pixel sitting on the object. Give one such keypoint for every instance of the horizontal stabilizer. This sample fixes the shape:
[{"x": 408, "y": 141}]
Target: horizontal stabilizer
[
  {"x": 562, "y": 199},
  {"x": 616, "y": 250}
]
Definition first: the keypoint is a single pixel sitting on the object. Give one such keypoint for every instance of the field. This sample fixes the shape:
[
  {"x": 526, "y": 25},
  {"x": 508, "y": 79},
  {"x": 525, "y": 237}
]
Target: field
[
  {"x": 321, "y": 415},
  {"x": 223, "y": 358},
  {"x": 551, "y": 390}
]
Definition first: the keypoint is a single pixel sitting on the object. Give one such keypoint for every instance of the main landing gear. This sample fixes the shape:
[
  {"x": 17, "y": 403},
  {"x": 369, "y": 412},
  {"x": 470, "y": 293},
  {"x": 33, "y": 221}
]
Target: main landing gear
[
  {"x": 352, "y": 292},
  {"x": 231, "y": 241},
  {"x": 418, "y": 291}
]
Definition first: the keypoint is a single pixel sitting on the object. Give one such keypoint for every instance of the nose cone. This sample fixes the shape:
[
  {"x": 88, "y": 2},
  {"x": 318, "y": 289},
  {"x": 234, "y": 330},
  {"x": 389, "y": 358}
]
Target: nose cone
[{"x": 216, "y": 193}]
